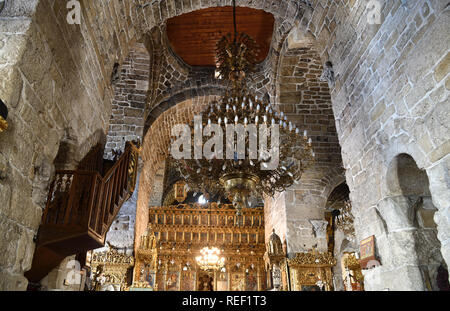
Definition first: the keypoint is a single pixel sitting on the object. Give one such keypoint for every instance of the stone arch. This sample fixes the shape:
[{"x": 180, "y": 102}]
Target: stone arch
[
  {"x": 409, "y": 214},
  {"x": 173, "y": 75},
  {"x": 182, "y": 96},
  {"x": 146, "y": 18},
  {"x": 347, "y": 246},
  {"x": 287, "y": 11},
  {"x": 406, "y": 178},
  {"x": 339, "y": 241},
  {"x": 156, "y": 149}
]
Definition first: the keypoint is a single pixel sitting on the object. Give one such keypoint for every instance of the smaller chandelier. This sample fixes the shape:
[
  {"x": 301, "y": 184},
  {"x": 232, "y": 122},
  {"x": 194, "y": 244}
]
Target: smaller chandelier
[
  {"x": 210, "y": 259},
  {"x": 345, "y": 219}
]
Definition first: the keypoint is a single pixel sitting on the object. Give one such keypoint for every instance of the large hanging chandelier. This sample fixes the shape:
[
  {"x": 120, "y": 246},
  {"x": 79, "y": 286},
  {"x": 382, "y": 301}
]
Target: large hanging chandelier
[
  {"x": 210, "y": 259},
  {"x": 273, "y": 167}
]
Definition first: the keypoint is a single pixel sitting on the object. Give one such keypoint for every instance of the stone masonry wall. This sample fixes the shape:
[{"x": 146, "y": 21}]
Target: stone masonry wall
[
  {"x": 388, "y": 77},
  {"x": 121, "y": 233},
  {"x": 155, "y": 150},
  {"x": 306, "y": 100},
  {"x": 130, "y": 98},
  {"x": 390, "y": 97},
  {"x": 55, "y": 88}
]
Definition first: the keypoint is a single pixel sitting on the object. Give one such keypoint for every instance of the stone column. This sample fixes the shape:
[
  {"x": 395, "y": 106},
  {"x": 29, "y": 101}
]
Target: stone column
[
  {"x": 439, "y": 177},
  {"x": 395, "y": 246},
  {"x": 320, "y": 233}
]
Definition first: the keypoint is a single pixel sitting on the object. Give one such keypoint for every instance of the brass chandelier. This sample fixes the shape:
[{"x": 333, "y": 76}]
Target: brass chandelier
[
  {"x": 239, "y": 178},
  {"x": 210, "y": 258},
  {"x": 345, "y": 219}
]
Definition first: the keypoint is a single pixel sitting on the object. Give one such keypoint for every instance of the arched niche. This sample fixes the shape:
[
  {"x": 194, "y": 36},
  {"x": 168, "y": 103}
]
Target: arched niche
[
  {"x": 409, "y": 213},
  {"x": 405, "y": 178}
]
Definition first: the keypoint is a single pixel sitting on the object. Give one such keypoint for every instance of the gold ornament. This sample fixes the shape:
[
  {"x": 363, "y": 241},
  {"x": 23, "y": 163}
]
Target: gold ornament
[
  {"x": 3, "y": 124},
  {"x": 244, "y": 176}
]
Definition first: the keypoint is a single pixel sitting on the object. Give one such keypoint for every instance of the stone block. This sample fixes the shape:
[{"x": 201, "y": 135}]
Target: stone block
[{"x": 400, "y": 279}]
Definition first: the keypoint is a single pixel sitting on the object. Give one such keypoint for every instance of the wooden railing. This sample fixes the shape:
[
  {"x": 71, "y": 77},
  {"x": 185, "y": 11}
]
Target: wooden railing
[{"x": 86, "y": 200}]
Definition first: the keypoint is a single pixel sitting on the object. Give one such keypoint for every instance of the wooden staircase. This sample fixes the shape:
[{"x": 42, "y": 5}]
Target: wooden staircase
[{"x": 81, "y": 207}]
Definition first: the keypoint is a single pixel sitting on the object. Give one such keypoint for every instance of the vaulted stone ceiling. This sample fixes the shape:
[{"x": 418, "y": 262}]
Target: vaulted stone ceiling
[
  {"x": 338, "y": 196},
  {"x": 194, "y": 36}
]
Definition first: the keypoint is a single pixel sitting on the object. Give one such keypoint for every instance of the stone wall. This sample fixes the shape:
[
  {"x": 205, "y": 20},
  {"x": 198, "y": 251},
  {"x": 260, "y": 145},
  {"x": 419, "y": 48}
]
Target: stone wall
[
  {"x": 388, "y": 77},
  {"x": 390, "y": 97},
  {"x": 156, "y": 198},
  {"x": 305, "y": 99},
  {"x": 65, "y": 277},
  {"x": 121, "y": 232},
  {"x": 275, "y": 216},
  {"x": 305, "y": 209},
  {"x": 130, "y": 98},
  {"x": 56, "y": 90}
]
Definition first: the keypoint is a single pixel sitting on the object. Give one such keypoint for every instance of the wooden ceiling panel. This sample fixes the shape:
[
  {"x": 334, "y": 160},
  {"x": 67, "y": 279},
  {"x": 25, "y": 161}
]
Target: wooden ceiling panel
[{"x": 193, "y": 36}]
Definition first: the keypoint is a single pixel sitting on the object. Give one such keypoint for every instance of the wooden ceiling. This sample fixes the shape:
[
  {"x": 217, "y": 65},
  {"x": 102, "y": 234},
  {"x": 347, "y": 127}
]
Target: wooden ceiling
[{"x": 193, "y": 36}]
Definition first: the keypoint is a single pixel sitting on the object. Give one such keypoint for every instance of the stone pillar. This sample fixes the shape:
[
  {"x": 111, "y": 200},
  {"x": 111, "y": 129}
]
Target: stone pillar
[
  {"x": 395, "y": 246},
  {"x": 439, "y": 177},
  {"x": 121, "y": 232},
  {"x": 130, "y": 98},
  {"x": 320, "y": 233},
  {"x": 305, "y": 226}
]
